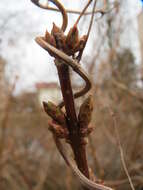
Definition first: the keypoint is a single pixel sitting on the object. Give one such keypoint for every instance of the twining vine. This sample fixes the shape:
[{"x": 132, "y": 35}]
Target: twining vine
[{"x": 67, "y": 51}]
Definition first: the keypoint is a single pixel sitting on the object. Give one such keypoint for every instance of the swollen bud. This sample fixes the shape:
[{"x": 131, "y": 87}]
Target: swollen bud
[
  {"x": 58, "y": 36},
  {"x": 81, "y": 44},
  {"x": 50, "y": 39},
  {"x": 55, "y": 113},
  {"x": 85, "y": 112},
  {"x": 55, "y": 30},
  {"x": 72, "y": 37}
]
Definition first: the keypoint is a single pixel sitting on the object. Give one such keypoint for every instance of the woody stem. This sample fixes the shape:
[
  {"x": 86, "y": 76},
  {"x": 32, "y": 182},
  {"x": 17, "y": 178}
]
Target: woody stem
[{"x": 79, "y": 149}]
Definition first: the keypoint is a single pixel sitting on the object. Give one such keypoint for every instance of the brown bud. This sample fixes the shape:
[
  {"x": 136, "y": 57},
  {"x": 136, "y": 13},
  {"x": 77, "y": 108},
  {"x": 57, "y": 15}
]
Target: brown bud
[
  {"x": 58, "y": 130},
  {"x": 55, "y": 30},
  {"x": 50, "y": 39},
  {"x": 55, "y": 113},
  {"x": 72, "y": 37},
  {"x": 80, "y": 45},
  {"x": 59, "y": 37},
  {"x": 85, "y": 112}
]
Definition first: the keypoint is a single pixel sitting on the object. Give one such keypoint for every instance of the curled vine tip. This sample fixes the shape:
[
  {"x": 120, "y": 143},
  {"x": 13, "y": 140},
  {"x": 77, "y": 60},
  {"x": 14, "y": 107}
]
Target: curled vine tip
[{"x": 60, "y": 8}]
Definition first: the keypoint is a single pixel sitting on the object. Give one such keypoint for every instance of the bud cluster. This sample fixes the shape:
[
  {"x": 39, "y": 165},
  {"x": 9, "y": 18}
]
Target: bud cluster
[
  {"x": 59, "y": 127},
  {"x": 69, "y": 44}
]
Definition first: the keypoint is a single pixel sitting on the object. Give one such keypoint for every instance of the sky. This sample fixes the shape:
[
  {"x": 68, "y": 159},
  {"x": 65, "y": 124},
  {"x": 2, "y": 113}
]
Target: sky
[{"x": 21, "y": 21}]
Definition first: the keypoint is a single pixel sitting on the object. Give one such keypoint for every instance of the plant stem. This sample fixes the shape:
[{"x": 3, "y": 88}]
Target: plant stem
[{"x": 79, "y": 149}]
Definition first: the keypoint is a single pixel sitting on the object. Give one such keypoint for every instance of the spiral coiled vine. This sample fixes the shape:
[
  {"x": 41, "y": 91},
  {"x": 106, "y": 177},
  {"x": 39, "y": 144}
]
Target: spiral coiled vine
[{"x": 66, "y": 124}]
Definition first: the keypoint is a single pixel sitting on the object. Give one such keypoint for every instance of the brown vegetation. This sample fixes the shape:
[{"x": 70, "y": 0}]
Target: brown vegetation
[{"x": 28, "y": 156}]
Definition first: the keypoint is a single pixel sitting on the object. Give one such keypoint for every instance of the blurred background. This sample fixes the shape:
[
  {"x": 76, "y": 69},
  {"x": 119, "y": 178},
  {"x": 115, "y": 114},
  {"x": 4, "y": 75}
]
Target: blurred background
[{"x": 113, "y": 58}]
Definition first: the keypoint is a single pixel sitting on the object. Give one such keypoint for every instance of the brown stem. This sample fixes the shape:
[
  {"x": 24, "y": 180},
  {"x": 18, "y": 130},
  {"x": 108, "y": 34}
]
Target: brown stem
[{"x": 76, "y": 142}]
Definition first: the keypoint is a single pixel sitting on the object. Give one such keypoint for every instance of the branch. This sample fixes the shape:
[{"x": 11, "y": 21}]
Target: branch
[{"x": 121, "y": 150}]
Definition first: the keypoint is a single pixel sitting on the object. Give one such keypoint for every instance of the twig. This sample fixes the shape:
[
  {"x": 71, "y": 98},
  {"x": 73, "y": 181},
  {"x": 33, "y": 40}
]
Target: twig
[
  {"x": 123, "y": 181},
  {"x": 121, "y": 149},
  {"x": 60, "y": 9},
  {"x": 83, "y": 11},
  {"x": 89, "y": 29},
  {"x": 123, "y": 87},
  {"x": 71, "y": 121},
  {"x": 70, "y": 11},
  {"x": 69, "y": 62},
  {"x": 83, "y": 179}
]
